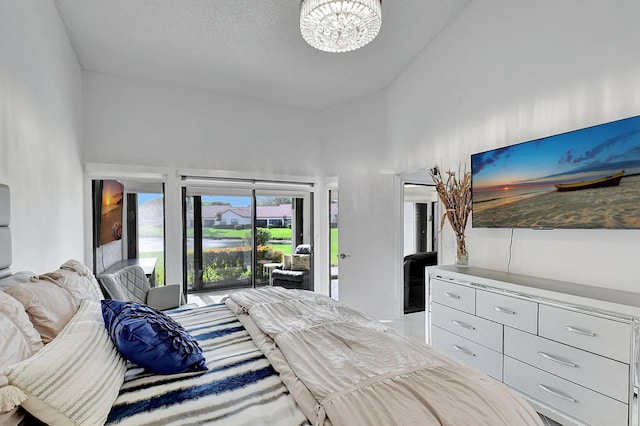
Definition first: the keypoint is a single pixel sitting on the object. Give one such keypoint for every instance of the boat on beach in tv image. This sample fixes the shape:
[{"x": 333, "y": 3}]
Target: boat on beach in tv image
[
  {"x": 583, "y": 179},
  {"x": 611, "y": 180}
]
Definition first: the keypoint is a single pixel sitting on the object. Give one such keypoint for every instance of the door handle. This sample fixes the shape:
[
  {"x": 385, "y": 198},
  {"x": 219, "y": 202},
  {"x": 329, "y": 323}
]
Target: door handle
[{"x": 344, "y": 256}]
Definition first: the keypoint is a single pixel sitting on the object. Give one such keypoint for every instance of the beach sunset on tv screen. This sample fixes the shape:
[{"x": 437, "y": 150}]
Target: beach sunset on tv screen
[{"x": 588, "y": 178}]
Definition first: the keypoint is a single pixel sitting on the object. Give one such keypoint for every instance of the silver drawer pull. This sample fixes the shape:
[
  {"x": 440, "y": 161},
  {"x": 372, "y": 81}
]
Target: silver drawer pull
[
  {"x": 578, "y": 331},
  {"x": 463, "y": 350},
  {"x": 452, "y": 295},
  {"x": 556, "y": 393},
  {"x": 503, "y": 310},
  {"x": 463, "y": 325},
  {"x": 559, "y": 361}
]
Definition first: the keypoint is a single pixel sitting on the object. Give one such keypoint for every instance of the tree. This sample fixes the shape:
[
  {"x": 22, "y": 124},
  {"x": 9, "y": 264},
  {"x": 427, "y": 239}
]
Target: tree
[{"x": 274, "y": 201}]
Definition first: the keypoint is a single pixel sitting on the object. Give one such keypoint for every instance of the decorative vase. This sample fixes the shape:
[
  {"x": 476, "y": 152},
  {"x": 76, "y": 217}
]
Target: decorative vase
[{"x": 462, "y": 255}]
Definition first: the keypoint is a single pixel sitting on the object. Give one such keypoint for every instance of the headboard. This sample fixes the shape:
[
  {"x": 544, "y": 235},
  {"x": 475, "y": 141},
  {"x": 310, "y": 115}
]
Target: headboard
[{"x": 5, "y": 232}]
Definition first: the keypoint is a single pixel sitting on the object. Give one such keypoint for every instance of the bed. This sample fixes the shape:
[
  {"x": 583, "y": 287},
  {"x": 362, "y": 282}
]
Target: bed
[{"x": 268, "y": 356}]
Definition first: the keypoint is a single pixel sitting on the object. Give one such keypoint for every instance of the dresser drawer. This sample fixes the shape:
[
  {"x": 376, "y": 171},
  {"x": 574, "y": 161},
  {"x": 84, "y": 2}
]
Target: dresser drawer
[
  {"x": 479, "y": 330},
  {"x": 511, "y": 311},
  {"x": 454, "y": 295},
  {"x": 577, "y": 401},
  {"x": 470, "y": 353},
  {"x": 601, "y": 374},
  {"x": 594, "y": 334}
]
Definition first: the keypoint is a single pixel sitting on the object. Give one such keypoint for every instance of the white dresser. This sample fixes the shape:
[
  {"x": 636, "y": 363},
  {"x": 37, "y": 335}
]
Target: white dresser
[{"x": 571, "y": 350}]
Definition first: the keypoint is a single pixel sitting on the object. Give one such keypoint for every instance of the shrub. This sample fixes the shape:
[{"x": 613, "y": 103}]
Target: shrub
[
  {"x": 233, "y": 263},
  {"x": 262, "y": 236}
]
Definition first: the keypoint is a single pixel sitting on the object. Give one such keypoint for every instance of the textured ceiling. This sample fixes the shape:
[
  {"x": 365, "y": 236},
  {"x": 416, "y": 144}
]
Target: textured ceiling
[{"x": 247, "y": 48}]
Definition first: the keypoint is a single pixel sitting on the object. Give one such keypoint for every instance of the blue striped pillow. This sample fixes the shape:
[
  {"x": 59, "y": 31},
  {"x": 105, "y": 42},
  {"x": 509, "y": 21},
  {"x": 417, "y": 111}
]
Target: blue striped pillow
[{"x": 151, "y": 339}]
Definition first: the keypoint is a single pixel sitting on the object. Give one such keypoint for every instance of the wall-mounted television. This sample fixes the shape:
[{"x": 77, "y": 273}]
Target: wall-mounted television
[{"x": 583, "y": 179}]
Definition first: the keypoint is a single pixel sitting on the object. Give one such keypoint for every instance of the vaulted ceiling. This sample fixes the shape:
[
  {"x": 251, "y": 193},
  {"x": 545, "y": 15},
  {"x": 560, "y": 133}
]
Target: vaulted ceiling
[{"x": 249, "y": 48}]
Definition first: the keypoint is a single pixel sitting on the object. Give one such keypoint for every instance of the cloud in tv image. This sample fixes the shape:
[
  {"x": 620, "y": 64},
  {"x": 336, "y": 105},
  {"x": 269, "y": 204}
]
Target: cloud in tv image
[
  {"x": 587, "y": 178},
  {"x": 111, "y": 216}
]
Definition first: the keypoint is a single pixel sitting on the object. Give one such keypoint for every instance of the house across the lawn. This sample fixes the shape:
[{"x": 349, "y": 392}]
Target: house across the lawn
[{"x": 227, "y": 215}]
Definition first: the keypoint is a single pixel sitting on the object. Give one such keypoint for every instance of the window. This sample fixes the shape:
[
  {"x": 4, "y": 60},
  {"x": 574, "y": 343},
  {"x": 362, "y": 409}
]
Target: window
[{"x": 234, "y": 237}]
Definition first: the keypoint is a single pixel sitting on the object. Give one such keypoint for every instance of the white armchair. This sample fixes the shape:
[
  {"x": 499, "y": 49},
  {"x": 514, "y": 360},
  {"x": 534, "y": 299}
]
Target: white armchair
[{"x": 131, "y": 284}]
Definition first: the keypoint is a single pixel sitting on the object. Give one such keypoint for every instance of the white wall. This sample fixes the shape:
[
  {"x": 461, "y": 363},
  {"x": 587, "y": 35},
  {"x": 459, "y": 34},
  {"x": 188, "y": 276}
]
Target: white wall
[
  {"x": 40, "y": 135},
  {"x": 508, "y": 72},
  {"x": 501, "y": 73},
  {"x": 133, "y": 122},
  {"x": 136, "y": 126}
]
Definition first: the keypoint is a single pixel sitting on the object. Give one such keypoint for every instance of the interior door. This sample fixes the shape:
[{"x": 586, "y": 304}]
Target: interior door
[{"x": 368, "y": 256}]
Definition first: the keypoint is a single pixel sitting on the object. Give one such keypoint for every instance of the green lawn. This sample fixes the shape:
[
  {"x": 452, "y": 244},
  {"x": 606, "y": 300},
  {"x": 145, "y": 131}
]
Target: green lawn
[
  {"x": 334, "y": 247},
  {"x": 150, "y": 231},
  {"x": 276, "y": 233},
  {"x": 159, "y": 265}
]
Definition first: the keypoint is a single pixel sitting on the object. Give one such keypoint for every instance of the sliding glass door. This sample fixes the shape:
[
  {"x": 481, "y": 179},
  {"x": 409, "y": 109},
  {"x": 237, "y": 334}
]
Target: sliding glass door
[
  {"x": 235, "y": 238},
  {"x": 219, "y": 237}
]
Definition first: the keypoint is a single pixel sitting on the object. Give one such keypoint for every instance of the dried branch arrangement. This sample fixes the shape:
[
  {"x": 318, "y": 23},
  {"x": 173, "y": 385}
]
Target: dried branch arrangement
[{"x": 455, "y": 194}]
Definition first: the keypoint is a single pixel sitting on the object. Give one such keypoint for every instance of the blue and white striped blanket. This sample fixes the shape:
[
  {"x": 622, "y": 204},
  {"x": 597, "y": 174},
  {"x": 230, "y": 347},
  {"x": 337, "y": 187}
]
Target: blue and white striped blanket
[{"x": 240, "y": 387}]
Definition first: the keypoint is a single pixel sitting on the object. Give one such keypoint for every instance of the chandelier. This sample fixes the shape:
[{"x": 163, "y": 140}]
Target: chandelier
[{"x": 340, "y": 26}]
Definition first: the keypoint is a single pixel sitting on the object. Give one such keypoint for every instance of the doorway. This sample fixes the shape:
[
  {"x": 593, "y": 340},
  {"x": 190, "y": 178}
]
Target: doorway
[
  {"x": 420, "y": 228},
  {"x": 333, "y": 245}
]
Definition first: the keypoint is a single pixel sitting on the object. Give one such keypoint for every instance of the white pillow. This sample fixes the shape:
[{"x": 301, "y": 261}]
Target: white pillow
[
  {"x": 13, "y": 347},
  {"x": 49, "y": 306},
  {"x": 25, "y": 338},
  {"x": 74, "y": 379},
  {"x": 300, "y": 262},
  {"x": 15, "y": 279},
  {"x": 79, "y": 286}
]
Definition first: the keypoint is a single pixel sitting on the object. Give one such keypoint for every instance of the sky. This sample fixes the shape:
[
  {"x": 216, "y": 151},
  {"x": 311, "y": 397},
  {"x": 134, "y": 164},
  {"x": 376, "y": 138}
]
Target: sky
[
  {"x": 143, "y": 198},
  {"x": 578, "y": 155}
]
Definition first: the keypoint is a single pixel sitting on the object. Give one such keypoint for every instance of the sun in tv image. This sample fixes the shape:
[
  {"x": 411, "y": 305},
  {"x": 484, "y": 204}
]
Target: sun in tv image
[
  {"x": 587, "y": 178},
  {"x": 111, "y": 216}
]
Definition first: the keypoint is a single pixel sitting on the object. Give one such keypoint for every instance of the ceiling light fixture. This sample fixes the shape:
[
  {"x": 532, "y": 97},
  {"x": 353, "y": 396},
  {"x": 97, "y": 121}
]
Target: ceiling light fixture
[{"x": 340, "y": 26}]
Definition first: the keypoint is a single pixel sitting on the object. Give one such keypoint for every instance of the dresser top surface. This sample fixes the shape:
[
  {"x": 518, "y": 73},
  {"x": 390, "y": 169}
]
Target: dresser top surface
[{"x": 600, "y": 298}]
